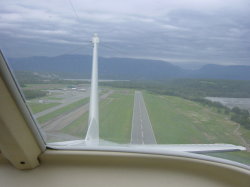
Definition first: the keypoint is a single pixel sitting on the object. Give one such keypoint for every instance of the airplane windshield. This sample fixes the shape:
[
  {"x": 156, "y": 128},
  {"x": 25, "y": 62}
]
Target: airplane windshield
[{"x": 160, "y": 75}]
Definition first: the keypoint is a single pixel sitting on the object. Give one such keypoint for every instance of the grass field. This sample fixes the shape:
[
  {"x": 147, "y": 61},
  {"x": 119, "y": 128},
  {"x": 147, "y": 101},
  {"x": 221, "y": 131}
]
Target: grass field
[
  {"x": 44, "y": 86},
  {"x": 241, "y": 156},
  {"x": 176, "y": 120},
  {"x": 53, "y": 98},
  {"x": 246, "y": 135},
  {"x": 62, "y": 110},
  {"x": 115, "y": 118},
  {"x": 78, "y": 127},
  {"x": 39, "y": 107}
]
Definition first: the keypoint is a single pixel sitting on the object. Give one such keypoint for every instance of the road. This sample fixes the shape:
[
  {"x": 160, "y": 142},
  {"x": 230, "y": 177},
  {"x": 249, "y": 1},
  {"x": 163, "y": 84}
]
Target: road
[{"x": 142, "y": 132}]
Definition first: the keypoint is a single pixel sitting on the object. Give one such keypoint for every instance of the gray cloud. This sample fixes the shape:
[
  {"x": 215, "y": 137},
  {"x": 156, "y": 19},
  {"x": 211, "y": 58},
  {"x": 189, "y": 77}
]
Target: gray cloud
[{"x": 188, "y": 31}]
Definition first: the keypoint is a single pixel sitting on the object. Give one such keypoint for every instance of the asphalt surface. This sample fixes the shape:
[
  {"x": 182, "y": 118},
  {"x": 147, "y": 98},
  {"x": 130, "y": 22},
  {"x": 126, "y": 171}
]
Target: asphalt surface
[
  {"x": 68, "y": 98},
  {"x": 64, "y": 120},
  {"x": 61, "y": 121},
  {"x": 142, "y": 132}
]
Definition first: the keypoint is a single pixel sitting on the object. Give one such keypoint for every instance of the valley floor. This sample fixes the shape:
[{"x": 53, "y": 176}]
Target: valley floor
[{"x": 174, "y": 120}]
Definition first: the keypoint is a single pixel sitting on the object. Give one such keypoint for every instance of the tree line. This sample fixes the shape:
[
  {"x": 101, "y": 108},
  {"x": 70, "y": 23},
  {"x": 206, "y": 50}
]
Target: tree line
[
  {"x": 238, "y": 115},
  {"x": 190, "y": 88}
]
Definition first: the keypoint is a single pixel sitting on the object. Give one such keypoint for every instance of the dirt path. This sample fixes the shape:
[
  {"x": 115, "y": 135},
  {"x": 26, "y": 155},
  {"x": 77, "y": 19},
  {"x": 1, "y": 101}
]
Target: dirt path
[{"x": 238, "y": 134}]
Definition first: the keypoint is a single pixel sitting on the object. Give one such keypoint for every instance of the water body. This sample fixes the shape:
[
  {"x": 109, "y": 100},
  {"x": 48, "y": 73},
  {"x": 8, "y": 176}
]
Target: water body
[{"x": 243, "y": 103}]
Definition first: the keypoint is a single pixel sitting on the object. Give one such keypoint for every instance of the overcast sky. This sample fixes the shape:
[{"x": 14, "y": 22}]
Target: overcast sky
[{"x": 184, "y": 32}]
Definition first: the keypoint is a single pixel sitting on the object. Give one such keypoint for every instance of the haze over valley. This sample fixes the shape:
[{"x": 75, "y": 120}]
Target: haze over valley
[{"x": 79, "y": 66}]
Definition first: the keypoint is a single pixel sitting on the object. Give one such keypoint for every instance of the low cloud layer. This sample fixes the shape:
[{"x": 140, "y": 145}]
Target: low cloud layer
[{"x": 187, "y": 32}]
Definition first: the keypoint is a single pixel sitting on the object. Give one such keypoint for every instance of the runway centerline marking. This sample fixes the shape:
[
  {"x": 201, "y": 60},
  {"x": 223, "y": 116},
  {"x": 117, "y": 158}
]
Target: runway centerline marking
[{"x": 142, "y": 131}]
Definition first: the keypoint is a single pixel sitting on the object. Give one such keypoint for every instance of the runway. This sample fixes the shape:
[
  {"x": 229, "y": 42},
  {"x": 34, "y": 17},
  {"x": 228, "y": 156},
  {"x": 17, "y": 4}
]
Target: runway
[
  {"x": 63, "y": 120},
  {"x": 68, "y": 98},
  {"x": 142, "y": 132}
]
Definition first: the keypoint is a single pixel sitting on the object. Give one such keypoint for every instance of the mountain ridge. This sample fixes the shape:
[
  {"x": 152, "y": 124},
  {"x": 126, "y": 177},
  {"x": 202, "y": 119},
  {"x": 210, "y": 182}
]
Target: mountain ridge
[{"x": 79, "y": 66}]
